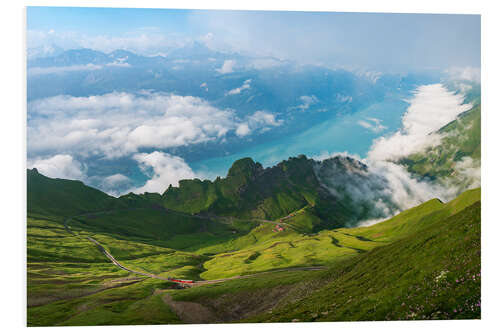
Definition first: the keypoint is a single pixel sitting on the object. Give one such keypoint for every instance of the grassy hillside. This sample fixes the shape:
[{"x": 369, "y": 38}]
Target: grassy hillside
[
  {"x": 71, "y": 283},
  {"x": 162, "y": 227},
  {"x": 431, "y": 274},
  {"x": 430, "y": 270},
  {"x": 263, "y": 250},
  {"x": 62, "y": 197}
]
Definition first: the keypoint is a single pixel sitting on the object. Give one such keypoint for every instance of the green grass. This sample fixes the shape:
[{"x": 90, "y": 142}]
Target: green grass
[
  {"x": 290, "y": 249},
  {"x": 251, "y": 284},
  {"x": 70, "y": 282},
  {"x": 161, "y": 227},
  {"x": 127, "y": 305},
  {"x": 63, "y": 197},
  {"x": 48, "y": 241},
  {"x": 417, "y": 218},
  {"x": 249, "y": 191},
  {"x": 424, "y": 272},
  {"x": 431, "y": 274}
]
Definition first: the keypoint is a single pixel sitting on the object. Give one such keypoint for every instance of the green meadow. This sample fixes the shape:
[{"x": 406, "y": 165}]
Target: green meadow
[{"x": 367, "y": 272}]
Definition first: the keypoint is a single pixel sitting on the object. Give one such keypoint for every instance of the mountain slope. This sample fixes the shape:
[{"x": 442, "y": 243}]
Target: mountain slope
[
  {"x": 262, "y": 249},
  {"x": 431, "y": 274},
  {"x": 249, "y": 191},
  {"x": 409, "y": 271},
  {"x": 64, "y": 197}
]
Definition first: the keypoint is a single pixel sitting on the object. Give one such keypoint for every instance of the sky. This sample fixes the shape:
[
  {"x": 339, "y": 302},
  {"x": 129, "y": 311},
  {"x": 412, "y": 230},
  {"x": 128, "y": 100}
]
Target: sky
[{"x": 363, "y": 40}]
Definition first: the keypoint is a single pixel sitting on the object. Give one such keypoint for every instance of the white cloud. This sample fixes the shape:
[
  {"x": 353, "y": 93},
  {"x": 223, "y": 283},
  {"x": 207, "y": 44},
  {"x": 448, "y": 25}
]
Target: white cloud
[
  {"x": 62, "y": 69},
  {"x": 405, "y": 190},
  {"x": 118, "y": 64},
  {"x": 59, "y": 166},
  {"x": 33, "y": 71},
  {"x": 235, "y": 91},
  {"x": 243, "y": 130},
  {"x": 207, "y": 39},
  {"x": 307, "y": 101},
  {"x": 116, "y": 180},
  {"x": 343, "y": 98},
  {"x": 372, "y": 124},
  {"x": 227, "y": 67},
  {"x": 390, "y": 187},
  {"x": 259, "y": 120},
  {"x": 372, "y": 76},
  {"x": 204, "y": 85},
  {"x": 325, "y": 155},
  {"x": 431, "y": 108},
  {"x": 465, "y": 73},
  {"x": 164, "y": 168},
  {"x": 113, "y": 184},
  {"x": 468, "y": 171},
  {"x": 119, "y": 124}
]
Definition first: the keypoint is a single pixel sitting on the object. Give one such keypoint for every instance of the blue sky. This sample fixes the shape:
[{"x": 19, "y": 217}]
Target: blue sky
[
  {"x": 112, "y": 21},
  {"x": 376, "y": 41}
]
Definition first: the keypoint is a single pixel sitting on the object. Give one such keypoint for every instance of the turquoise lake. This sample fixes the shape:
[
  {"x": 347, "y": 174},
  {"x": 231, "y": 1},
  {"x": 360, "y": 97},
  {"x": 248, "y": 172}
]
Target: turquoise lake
[{"x": 340, "y": 134}]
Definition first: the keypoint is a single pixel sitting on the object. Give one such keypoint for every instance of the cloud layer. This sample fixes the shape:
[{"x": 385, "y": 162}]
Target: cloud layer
[
  {"x": 385, "y": 187},
  {"x": 372, "y": 124},
  {"x": 59, "y": 166},
  {"x": 260, "y": 120},
  {"x": 163, "y": 169},
  {"x": 236, "y": 91},
  {"x": 307, "y": 101},
  {"x": 431, "y": 108},
  {"x": 227, "y": 67},
  {"x": 119, "y": 124}
]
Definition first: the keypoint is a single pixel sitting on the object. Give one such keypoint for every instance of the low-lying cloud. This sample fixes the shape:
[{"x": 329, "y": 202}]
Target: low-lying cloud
[
  {"x": 120, "y": 124},
  {"x": 431, "y": 108},
  {"x": 372, "y": 124},
  {"x": 380, "y": 187},
  {"x": 59, "y": 166},
  {"x": 236, "y": 91},
  {"x": 468, "y": 73},
  {"x": 307, "y": 101},
  {"x": 163, "y": 169},
  {"x": 33, "y": 71},
  {"x": 260, "y": 120},
  {"x": 227, "y": 67}
]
